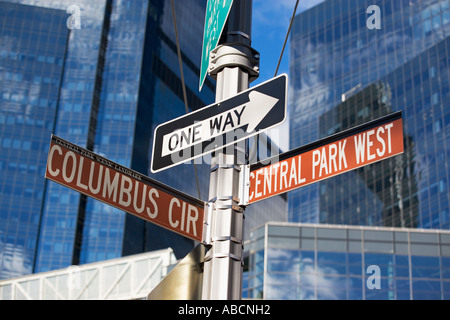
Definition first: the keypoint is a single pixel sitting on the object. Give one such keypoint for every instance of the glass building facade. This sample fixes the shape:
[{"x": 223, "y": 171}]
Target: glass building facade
[
  {"x": 329, "y": 262},
  {"x": 103, "y": 84},
  {"x": 100, "y": 74},
  {"x": 32, "y": 57},
  {"x": 345, "y": 70},
  {"x": 378, "y": 232}
]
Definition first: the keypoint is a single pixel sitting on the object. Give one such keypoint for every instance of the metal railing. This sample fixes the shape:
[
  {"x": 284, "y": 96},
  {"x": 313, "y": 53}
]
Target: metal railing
[{"x": 125, "y": 278}]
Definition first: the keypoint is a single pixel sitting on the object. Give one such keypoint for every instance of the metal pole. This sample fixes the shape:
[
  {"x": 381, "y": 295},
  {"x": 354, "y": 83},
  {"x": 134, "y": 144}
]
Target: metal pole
[{"x": 234, "y": 64}]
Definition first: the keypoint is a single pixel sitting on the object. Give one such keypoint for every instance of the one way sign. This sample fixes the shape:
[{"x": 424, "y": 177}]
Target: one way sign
[{"x": 221, "y": 124}]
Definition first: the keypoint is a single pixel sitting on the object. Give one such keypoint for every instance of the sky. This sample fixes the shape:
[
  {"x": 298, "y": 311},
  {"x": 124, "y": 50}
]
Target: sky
[{"x": 270, "y": 23}]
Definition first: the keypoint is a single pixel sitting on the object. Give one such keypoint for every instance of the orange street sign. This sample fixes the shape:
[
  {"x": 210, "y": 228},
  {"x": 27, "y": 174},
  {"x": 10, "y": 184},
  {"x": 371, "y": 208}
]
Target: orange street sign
[
  {"x": 125, "y": 189},
  {"x": 342, "y": 152}
]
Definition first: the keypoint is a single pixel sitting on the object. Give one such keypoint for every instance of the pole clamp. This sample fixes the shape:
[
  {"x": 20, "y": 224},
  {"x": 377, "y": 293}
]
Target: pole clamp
[
  {"x": 234, "y": 55},
  {"x": 223, "y": 255},
  {"x": 244, "y": 185},
  {"x": 207, "y": 222}
]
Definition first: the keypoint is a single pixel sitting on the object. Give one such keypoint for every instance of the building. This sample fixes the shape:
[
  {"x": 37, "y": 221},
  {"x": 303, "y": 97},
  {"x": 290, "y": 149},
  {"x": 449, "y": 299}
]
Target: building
[
  {"x": 102, "y": 75},
  {"x": 31, "y": 74},
  {"x": 335, "y": 52},
  {"x": 352, "y": 62},
  {"x": 295, "y": 261},
  {"x": 86, "y": 82},
  {"x": 386, "y": 192}
]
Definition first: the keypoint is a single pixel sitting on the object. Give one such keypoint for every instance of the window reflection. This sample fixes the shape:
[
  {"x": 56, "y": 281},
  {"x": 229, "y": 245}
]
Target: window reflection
[{"x": 318, "y": 274}]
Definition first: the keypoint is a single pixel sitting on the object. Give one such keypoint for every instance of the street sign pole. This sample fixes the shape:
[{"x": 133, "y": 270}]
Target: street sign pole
[{"x": 234, "y": 64}]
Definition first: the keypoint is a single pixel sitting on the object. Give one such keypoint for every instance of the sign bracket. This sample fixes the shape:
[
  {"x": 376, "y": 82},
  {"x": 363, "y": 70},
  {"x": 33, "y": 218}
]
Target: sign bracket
[
  {"x": 234, "y": 55},
  {"x": 209, "y": 207},
  {"x": 244, "y": 185}
]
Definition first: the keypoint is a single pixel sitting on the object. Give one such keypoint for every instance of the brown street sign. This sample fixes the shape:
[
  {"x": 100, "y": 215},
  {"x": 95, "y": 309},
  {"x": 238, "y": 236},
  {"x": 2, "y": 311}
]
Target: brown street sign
[
  {"x": 99, "y": 178},
  {"x": 345, "y": 151}
]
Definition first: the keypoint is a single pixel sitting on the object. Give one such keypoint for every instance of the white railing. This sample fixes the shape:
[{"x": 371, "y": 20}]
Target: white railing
[{"x": 125, "y": 278}]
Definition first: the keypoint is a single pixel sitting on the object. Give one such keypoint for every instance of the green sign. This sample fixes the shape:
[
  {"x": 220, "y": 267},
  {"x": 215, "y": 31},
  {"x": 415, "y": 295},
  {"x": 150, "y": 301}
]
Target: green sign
[{"x": 216, "y": 15}]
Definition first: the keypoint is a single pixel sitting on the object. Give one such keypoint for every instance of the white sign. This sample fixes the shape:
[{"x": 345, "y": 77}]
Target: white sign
[
  {"x": 247, "y": 115},
  {"x": 220, "y": 125}
]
